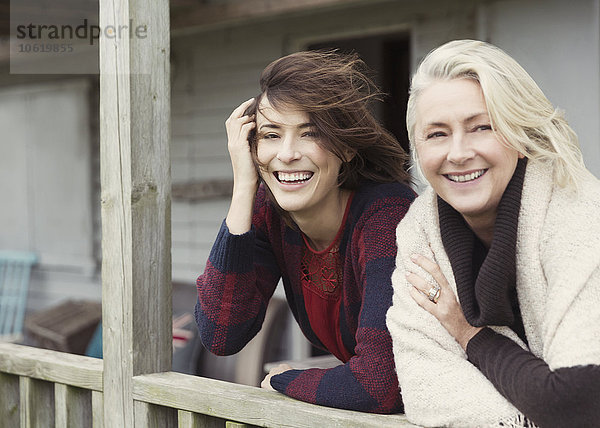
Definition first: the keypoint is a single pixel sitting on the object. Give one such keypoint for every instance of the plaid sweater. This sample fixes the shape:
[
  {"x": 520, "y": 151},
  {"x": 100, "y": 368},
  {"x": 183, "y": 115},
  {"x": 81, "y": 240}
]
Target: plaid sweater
[{"x": 243, "y": 270}]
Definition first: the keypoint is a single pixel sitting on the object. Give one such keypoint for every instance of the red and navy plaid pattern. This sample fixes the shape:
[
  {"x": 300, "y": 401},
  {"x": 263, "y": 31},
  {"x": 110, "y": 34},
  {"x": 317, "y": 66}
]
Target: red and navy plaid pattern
[{"x": 243, "y": 270}]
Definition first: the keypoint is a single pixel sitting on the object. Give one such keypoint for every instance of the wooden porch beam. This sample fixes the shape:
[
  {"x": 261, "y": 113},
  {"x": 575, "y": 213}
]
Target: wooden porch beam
[
  {"x": 242, "y": 10},
  {"x": 136, "y": 208}
]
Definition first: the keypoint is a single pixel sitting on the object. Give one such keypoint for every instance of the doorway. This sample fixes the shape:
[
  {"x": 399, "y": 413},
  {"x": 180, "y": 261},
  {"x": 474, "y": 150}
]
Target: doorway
[{"x": 388, "y": 55}]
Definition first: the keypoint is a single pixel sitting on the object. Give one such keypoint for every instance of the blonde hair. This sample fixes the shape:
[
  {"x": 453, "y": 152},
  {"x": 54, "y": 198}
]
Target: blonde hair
[{"x": 518, "y": 109}]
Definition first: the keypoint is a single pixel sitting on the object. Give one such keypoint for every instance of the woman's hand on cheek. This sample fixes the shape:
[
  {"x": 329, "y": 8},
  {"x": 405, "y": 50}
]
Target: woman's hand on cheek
[
  {"x": 266, "y": 383},
  {"x": 245, "y": 177},
  {"x": 447, "y": 309},
  {"x": 238, "y": 127}
]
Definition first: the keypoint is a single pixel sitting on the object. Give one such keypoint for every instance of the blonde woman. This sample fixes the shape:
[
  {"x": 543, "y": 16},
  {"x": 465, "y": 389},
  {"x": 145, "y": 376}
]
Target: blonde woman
[{"x": 496, "y": 310}]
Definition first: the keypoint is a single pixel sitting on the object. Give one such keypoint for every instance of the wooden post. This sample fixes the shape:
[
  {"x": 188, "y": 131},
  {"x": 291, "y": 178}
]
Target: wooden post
[{"x": 135, "y": 175}]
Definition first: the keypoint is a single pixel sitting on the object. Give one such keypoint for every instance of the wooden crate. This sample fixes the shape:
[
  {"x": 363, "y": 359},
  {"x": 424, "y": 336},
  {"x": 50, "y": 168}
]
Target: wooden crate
[{"x": 67, "y": 327}]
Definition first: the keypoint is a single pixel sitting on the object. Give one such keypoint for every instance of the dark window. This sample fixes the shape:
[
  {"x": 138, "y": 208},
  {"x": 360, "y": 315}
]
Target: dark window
[{"x": 388, "y": 55}]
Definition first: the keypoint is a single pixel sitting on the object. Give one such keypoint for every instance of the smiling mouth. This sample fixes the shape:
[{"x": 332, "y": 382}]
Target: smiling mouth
[
  {"x": 465, "y": 177},
  {"x": 293, "y": 177}
]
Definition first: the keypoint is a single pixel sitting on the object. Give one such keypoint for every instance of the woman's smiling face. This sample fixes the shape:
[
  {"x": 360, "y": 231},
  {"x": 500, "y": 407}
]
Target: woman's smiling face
[
  {"x": 302, "y": 176},
  {"x": 460, "y": 155}
]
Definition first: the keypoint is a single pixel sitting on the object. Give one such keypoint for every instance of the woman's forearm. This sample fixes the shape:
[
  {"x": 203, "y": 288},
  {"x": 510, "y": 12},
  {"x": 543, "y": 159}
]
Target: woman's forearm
[
  {"x": 232, "y": 298},
  {"x": 245, "y": 176},
  {"x": 239, "y": 216},
  {"x": 566, "y": 397}
]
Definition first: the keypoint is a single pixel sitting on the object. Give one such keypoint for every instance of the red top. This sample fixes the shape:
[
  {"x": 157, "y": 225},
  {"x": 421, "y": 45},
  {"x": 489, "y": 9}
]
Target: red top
[{"x": 321, "y": 287}]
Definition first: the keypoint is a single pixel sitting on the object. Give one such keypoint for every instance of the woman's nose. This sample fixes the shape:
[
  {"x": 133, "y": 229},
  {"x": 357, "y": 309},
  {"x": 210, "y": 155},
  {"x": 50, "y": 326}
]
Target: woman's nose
[
  {"x": 460, "y": 149},
  {"x": 288, "y": 151}
]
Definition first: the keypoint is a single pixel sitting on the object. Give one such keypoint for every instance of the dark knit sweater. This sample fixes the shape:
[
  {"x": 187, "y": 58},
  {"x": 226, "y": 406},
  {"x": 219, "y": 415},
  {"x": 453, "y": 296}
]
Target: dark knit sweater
[
  {"x": 567, "y": 397},
  {"x": 486, "y": 282},
  {"x": 243, "y": 271}
]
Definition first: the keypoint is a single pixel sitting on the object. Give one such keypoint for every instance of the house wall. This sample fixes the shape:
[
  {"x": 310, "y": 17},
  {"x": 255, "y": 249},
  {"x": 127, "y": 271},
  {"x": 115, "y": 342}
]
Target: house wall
[
  {"x": 214, "y": 71},
  {"x": 46, "y": 186},
  {"x": 558, "y": 43}
]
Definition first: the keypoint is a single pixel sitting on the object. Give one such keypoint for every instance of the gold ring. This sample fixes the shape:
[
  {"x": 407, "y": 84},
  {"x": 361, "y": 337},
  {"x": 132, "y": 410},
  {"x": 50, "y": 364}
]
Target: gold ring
[{"x": 434, "y": 293}]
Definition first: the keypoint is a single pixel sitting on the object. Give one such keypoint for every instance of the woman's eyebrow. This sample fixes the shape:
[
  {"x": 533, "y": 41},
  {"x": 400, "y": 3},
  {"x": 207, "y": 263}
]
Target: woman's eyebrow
[
  {"x": 476, "y": 116},
  {"x": 270, "y": 125},
  {"x": 435, "y": 124},
  {"x": 468, "y": 119},
  {"x": 277, "y": 126}
]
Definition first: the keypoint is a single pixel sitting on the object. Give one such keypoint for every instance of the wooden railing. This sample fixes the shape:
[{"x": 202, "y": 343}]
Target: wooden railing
[{"x": 42, "y": 388}]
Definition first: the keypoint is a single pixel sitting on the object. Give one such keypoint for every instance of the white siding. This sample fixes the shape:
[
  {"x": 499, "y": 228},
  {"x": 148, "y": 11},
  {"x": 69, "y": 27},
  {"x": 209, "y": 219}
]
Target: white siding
[
  {"x": 558, "y": 43},
  {"x": 214, "y": 71},
  {"x": 46, "y": 185},
  {"x": 46, "y": 182},
  {"x": 212, "y": 74}
]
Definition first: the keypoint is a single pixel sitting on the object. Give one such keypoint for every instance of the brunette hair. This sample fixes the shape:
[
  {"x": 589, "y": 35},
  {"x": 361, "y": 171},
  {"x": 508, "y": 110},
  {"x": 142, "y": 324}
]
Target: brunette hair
[{"x": 335, "y": 91}]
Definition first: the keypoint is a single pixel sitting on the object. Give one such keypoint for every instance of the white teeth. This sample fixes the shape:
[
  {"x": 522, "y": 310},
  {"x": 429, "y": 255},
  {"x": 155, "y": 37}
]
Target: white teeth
[
  {"x": 467, "y": 177},
  {"x": 293, "y": 176}
]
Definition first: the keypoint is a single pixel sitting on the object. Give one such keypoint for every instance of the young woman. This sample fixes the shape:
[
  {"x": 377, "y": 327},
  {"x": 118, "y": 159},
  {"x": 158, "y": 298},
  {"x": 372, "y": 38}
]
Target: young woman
[
  {"x": 496, "y": 309},
  {"x": 333, "y": 190}
]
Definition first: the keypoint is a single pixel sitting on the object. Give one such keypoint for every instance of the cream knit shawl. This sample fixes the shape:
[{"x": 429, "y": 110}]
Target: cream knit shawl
[{"x": 558, "y": 287}]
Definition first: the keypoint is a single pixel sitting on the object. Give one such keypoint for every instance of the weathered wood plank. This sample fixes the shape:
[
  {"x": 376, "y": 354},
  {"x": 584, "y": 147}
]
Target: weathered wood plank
[
  {"x": 72, "y": 406},
  {"x": 135, "y": 176},
  {"x": 97, "y": 409},
  {"x": 9, "y": 400},
  {"x": 231, "y": 424},
  {"x": 230, "y": 12},
  {"x": 37, "y": 403},
  {"x": 153, "y": 416},
  {"x": 249, "y": 404},
  {"x": 53, "y": 366},
  {"x": 187, "y": 419}
]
